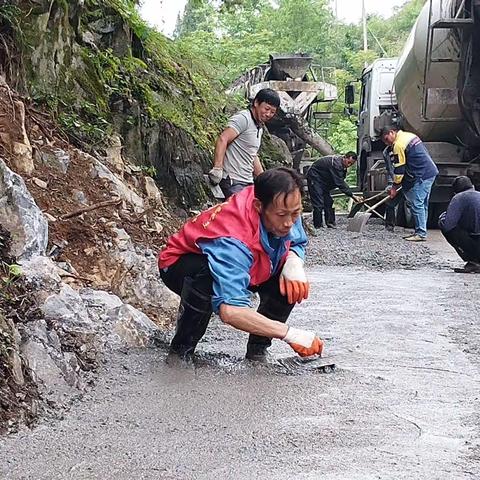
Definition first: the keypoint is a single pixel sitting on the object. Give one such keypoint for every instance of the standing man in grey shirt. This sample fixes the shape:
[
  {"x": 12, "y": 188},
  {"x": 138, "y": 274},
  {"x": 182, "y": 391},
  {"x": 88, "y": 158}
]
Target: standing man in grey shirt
[{"x": 236, "y": 162}]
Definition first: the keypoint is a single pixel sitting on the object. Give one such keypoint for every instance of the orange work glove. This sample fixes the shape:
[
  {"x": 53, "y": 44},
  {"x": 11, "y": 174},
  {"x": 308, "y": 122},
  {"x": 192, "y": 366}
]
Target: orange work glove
[
  {"x": 305, "y": 343},
  {"x": 293, "y": 281}
]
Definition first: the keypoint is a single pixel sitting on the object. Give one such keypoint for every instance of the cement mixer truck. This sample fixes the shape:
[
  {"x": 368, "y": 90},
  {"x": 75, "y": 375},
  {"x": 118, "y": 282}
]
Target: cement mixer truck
[{"x": 433, "y": 90}]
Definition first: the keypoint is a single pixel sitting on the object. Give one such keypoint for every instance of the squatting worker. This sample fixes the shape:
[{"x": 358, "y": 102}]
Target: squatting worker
[
  {"x": 415, "y": 171},
  {"x": 324, "y": 175},
  {"x": 460, "y": 224},
  {"x": 236, "y": 161},
  {"x": 253, "y": 242}
]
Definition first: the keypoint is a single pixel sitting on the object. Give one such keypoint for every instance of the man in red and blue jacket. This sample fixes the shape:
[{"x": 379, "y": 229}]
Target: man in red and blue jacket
[{"x": 253, "y": 242}]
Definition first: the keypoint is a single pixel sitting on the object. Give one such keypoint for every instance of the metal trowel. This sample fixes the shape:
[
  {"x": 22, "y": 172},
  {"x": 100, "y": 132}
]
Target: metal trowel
[
  {"x": 215, "y": 189},
  {"x": 314, "y": 363}
]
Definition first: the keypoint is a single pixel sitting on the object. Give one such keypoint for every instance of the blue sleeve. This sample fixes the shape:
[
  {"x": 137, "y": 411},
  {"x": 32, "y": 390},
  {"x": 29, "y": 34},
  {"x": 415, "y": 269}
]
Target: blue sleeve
[
  {"x": 229, "y": 261},
  {"x": 387, "y": 157},
  {"x": 299, "y": 239},
  {"x": 453, "y": 215}
]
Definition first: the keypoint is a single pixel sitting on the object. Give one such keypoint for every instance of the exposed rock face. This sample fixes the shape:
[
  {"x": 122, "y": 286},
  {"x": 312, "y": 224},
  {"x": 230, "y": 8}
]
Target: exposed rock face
[
  {"x": 20, "y": 215},
  {"x": 56, "y": 158},
  {"x": 18, "y": 392},
  {"x": 274, "y": 152},
  {"x": 118, "y": 187},
  {"x": 88, "y": 56},
  {"x": 137, "y": 281},
  {"x": 79, "y": 328}
]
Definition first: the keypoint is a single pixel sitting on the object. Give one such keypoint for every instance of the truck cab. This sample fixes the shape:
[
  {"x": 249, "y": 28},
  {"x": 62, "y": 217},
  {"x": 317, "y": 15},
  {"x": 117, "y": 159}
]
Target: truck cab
[{"x": 378, "y": 107}]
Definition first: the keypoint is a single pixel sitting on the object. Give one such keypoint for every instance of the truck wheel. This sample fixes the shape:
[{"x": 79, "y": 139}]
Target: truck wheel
[{"x": 404, "y": 215}]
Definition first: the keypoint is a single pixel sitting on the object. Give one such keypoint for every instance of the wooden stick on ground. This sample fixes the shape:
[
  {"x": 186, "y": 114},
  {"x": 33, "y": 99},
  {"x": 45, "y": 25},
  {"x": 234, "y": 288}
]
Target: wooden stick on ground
[{"x": 107, "y": 203}]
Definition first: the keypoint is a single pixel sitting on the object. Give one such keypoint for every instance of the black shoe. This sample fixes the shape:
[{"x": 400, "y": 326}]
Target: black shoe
[
  {"x": 180, "y": 358},
  {"x": 258, "y": 353},
  {"x": 470, "y": 267},
  {"x": 331, "y": 225}
]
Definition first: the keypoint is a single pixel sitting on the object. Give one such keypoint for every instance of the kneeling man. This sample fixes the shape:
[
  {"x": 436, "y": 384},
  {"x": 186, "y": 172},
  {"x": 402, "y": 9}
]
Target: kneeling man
[{"x": 253, "y": 242}]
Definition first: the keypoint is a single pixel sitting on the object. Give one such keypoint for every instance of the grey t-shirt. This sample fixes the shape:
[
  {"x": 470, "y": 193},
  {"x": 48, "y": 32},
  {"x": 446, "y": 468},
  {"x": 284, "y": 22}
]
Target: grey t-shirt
[{"x": 238, "y": 161}]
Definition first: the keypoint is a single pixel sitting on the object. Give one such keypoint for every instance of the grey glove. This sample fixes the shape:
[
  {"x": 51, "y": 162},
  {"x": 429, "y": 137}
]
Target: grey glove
[
  {"x": 441, "y": 220},
  {"x": 215, "y": 175},
  {"x": 388, "y": 188}
]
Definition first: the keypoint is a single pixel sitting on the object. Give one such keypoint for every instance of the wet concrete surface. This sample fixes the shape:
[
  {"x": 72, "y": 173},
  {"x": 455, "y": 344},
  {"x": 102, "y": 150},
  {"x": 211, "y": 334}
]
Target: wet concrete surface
[{"x": 403, "y": 402}]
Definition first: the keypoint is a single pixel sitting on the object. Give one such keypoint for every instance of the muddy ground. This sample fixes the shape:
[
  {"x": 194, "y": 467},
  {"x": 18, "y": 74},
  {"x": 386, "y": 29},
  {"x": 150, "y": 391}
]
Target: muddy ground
[{"x": 403, "y": 402}]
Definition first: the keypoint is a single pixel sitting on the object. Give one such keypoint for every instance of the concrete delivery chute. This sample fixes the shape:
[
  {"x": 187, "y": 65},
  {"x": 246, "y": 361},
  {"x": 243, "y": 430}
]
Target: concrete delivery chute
[{"x": 299, "y": 86}]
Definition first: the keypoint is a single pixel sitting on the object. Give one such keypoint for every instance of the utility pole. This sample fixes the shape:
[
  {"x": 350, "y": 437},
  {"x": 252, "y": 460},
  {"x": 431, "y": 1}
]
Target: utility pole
[{"x": 364, "y": 24}]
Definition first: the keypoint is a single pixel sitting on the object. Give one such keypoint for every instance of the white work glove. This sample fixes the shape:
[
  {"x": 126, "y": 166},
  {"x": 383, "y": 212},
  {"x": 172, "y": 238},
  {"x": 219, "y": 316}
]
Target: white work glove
[
  {"x": 293, "y": 280},
  {"x": 215, "y": 175},
  {"x": 304, "y": 343}
]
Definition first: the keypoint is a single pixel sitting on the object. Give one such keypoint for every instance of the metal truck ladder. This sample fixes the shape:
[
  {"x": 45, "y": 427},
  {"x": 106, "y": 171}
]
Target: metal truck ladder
[{"x": 460, "y": 21}]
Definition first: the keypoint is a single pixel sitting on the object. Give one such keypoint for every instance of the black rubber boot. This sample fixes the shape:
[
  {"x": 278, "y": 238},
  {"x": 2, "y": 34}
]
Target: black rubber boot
[
  {"x": 257, "y": 353},
  {"x": 193, "y": 317},
  {"x": 273, "y": 305},
  {"x": 317, "y": 218}
]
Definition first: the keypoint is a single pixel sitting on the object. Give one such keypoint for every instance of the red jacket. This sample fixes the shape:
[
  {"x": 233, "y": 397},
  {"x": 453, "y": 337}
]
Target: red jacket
[{"x": 236, "y": 218}]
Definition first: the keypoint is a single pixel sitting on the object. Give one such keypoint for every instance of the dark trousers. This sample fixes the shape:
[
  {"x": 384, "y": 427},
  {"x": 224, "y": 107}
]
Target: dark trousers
[
  {"x": 194, "y": 267},
  {"x": 322, "y": 201},
  {"x": 390, "y": 210},
  {"x": 466, "y": 244},
  {"x": 229, "y": 186}
]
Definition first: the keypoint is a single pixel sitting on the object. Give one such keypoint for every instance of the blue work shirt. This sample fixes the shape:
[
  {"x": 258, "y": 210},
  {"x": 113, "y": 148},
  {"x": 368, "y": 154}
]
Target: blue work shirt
[
  {"x": 464, "y": 212},
  {"x": 230, "y": 261}
]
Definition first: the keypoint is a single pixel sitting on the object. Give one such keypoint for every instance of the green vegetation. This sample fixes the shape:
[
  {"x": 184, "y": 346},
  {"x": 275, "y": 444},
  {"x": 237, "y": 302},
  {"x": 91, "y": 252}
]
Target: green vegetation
[
  {"x": 240, "y": 34},
  {"x": 151, "y": 171},
  {"x": 80, "y": 81},
  {"x": 168, "y": 83},
  {"x": 90, "y": 61},
  {"x": 12, "y": 272}
]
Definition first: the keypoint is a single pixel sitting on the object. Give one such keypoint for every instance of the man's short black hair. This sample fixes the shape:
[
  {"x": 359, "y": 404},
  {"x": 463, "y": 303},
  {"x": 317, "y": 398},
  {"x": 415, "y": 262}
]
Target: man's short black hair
[
  {"x": 269, "y": 96},
  {"x": 276, "y": 181},
  {"x": 388, "y": 128},
  {"x": 461, "y": 184},
  {"x": 352, "y": 155}
]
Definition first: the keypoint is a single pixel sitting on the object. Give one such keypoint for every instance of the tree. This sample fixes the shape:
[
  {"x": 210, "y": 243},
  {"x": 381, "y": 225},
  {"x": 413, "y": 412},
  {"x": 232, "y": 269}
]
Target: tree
[
  {"x": 236, "y": 35},
  {"x": 197, "y": 16}
]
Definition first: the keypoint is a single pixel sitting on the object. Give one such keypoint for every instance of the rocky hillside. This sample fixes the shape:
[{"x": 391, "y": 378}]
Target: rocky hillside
[
  {"x": 100, "y": 70},
  {"x": 105, "y": 132},
  {"x": 79, "y": 277}
]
